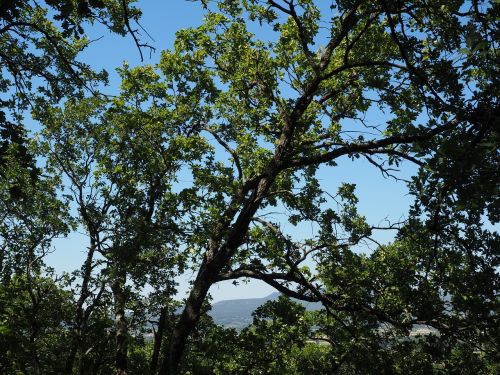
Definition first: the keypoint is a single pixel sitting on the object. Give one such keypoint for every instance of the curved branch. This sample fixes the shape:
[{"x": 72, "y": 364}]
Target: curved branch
[
  {"x": 300, "y": 28},
  {"x": 369, "y": 146},
  {"x": 228, "y": 149},
  {"x": 126, "y": 21},
  {"x": 399, "y": 154},
  {"x": 270, "y": 279}
]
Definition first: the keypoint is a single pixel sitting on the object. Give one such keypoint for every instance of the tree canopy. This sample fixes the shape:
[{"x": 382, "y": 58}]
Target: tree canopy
[{"x": 184, "y": 169}]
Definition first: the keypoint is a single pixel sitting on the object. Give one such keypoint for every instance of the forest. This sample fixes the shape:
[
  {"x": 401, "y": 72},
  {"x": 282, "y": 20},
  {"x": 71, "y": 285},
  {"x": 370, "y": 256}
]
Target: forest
[{"x": 228, "y": 157}]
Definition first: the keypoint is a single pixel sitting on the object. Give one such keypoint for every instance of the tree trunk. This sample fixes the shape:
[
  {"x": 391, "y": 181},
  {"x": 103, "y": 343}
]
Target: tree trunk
[
  {"x": 120, "y": 323},
  {"x": 2, "y": 255},
  {"x": 158, "y": 338},
  {"x": 73, "y": 349},
  {"x": 187, "y": 322},
  {"x": 80, "y": 316},
  {"x": 216, "y": 258}
]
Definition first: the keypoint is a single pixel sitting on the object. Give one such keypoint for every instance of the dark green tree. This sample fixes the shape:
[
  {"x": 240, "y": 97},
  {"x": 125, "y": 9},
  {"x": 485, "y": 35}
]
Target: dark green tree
[
  {"x": 251, "y": 120},
  {"x": 122, "y": 160},
  {"x": 33, "y": 312},
  {"x": 302, "y": 96}
]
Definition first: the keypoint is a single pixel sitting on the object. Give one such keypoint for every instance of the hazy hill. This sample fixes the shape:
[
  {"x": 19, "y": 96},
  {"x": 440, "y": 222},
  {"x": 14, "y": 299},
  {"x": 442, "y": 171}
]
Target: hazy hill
[{"x": 237, "y": 313}]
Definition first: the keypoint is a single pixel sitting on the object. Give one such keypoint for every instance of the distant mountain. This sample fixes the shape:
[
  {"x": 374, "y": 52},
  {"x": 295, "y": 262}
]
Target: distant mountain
[{"x": 237, "y": 313}]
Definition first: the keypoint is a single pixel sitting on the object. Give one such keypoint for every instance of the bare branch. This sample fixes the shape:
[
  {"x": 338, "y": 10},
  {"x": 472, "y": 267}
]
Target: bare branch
[{"x": 126, "y": 21}]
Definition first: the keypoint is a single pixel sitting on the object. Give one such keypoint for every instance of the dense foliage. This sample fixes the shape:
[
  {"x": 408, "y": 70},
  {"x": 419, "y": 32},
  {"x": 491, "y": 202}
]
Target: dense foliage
[{"x": 184, "y": 169}]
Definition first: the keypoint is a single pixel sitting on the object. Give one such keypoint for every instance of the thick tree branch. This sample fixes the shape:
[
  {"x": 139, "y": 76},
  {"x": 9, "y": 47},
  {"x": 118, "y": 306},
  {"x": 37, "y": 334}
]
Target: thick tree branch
[
  {"x": 268, "y": 278},
  {"x": 369, "y": 146}
]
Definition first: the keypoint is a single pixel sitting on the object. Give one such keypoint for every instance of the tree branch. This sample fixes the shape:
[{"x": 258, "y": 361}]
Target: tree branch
[
  {"x": 368, "y": 147},
  {"x": 132, "y": 32},
  {"x": 270, "y": 279},
  {"x": 229, "y": 149}
]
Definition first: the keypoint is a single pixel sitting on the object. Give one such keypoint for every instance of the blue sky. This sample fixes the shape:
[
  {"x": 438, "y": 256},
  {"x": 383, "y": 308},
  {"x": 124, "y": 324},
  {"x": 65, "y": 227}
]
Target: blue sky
[
  {"x": 161, "y": 19},
  {"x": 380, "y": 198}
]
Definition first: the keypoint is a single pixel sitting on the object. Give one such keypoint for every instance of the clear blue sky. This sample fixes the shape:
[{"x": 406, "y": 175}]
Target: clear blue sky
[{"x": 380, "y": 198}]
